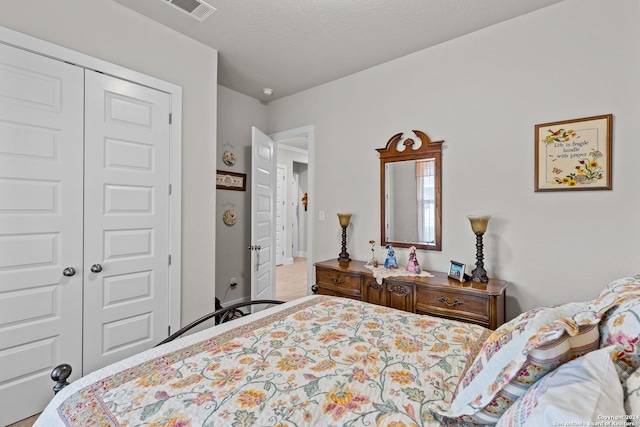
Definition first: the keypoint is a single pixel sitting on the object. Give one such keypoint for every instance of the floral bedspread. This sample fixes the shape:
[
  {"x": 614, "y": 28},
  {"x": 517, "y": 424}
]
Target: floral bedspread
[{"x": 324, "y": 361}]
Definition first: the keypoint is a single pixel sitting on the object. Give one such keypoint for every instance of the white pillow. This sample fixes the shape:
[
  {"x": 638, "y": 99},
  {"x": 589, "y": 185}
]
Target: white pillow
[
  {"x": 584, "y": 390},
  {"x": 632, "y": 397}
]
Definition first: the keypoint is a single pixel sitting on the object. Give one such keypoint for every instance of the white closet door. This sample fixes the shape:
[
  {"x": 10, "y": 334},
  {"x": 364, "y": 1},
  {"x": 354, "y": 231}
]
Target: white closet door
[
  {"x": 41, "y": 134},
  {"x": 126, "y": 219}
]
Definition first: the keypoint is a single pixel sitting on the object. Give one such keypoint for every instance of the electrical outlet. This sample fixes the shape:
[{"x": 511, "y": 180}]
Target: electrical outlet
[{"x": 233, "y": 282}]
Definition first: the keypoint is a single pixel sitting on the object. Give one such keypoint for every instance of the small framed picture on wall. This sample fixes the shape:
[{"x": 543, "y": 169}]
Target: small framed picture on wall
[
  {"x": 574, "y": 155},
  {"x": 231, "y": 181}
]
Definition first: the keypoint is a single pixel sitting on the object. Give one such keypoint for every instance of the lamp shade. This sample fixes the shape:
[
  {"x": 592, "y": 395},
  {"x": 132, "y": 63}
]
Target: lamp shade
[
  {"x": 344, "y": 219},
  {"x": 479, "y": 223}
]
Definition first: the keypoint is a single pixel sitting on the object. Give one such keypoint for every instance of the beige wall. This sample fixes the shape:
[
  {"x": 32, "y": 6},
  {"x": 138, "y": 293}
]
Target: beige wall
[
  {"x": 483, "y": 94},
  {"x": 108, "y": 31},
  {"x": 237, "y": 113}
]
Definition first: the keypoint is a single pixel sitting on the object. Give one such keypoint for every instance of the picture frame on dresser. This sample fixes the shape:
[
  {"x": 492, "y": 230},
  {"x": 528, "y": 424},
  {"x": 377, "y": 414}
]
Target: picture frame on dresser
[{"x": 456, "y": 271}]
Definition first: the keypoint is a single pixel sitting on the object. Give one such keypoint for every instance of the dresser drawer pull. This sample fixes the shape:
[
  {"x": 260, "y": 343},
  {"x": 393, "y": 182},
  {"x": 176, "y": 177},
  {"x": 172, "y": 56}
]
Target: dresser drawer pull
[
  {"x": 337, "y": 280},
  {"x": 374, "y": 285},
  {"x": 400, "y": 290},
  {"x": 455, "y": 302}
]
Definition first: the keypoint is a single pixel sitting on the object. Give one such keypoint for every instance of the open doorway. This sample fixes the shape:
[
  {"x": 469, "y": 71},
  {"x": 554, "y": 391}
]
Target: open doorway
[{"x": 293, "y": 278}]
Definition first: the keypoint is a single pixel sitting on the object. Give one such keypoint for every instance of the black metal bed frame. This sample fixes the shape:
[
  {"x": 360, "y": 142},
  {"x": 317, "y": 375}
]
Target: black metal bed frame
[{"x": 61, "y": 373}]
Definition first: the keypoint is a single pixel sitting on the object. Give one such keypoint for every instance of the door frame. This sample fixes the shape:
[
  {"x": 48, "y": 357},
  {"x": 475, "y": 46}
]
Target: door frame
[
  {"x": 295, "y": 212},
  {"x": 35, "y": 45},
  {"x": 309, "y": 133},
  {"x": 280, "y": 231}
]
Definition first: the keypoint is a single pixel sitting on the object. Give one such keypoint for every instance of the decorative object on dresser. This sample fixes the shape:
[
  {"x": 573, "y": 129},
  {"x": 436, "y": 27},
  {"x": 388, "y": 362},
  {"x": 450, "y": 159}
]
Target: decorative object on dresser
[
  {"x": 432, "y": 293},
  {"x": 410, "y": 192},
  {"x": 372, "y": 261},
  {"x": 344, "y": 219},
  {"x": 479, "y": 226},
  {"x": 456, "y": 271},
  {"x": 391, "y": 261},
  {"x": 412, "y": 265}
]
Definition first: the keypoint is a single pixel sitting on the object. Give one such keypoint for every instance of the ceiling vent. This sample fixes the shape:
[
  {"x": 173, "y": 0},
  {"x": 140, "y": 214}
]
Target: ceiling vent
[{"x": 195, "y": 8}]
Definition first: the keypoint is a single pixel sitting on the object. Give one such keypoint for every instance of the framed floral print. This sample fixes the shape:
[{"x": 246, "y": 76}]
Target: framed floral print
[{"x": 574, "y": 154}]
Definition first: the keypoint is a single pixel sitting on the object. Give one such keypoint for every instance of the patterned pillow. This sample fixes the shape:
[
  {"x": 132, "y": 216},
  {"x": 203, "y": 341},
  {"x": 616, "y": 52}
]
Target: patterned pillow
[
  {"x": 632, "y": 396},
  {"x": 515, "y": 356},
  {"x": 621, "y": 327},
  {"x": 582, "y": 391},
  {"x": 616, "y": 293}
]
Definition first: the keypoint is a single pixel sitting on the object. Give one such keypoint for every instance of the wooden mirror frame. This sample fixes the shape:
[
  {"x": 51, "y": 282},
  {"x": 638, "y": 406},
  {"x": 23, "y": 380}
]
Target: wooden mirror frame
[{"x": 427, "y": 150}]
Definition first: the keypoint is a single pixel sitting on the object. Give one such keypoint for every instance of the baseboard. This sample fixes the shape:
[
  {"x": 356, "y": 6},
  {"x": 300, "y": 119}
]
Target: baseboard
[{"x": 302, "y": 254}]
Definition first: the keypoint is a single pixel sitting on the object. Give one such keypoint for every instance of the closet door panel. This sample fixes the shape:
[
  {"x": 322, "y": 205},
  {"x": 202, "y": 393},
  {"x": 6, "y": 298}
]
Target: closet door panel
[
  {"x": 126, "y": 219},
  {"x": 41, "y": 155}
]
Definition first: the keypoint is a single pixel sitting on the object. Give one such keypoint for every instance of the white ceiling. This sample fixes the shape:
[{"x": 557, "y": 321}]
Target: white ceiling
[{"x": 293, "y": 45}]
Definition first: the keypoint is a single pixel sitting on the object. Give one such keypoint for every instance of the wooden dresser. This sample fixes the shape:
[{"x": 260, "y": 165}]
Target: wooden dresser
[{"x": 480, "y": 303}]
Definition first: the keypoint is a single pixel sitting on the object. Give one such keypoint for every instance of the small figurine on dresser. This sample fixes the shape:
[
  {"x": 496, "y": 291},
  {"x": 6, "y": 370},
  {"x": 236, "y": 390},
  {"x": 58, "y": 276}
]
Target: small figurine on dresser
[
  {"x": 412, "y": 264},
  {"x": 391, "y": 261},
  {"x": 373, "y": 262}
]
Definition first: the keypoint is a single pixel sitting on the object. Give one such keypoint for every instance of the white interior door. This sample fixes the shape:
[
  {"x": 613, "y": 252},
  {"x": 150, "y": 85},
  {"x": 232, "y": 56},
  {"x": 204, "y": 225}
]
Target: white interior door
[
  {"x": 295, "y": 211},
  {"x": 41, "y": 128},
  {"x": 263, "y": 190},
  {"x": 126, "y": 219},
  {"x": 280, "y": 231}
]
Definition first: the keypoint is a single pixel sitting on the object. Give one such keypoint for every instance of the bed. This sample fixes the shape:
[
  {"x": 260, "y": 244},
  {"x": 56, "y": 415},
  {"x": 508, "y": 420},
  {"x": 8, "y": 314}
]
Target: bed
[{"x": 327, "y": 361}]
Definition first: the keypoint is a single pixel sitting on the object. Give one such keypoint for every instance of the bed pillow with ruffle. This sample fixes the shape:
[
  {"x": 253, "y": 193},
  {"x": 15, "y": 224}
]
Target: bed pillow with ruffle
[{"x": 515, "y": 356}]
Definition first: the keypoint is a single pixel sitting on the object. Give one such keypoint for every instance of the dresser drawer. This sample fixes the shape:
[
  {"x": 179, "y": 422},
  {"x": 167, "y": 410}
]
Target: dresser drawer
[
  {"x": 399, "y": 295},
  {"x": 341, "y": 282},
  {"x": 454, "y": 305}
]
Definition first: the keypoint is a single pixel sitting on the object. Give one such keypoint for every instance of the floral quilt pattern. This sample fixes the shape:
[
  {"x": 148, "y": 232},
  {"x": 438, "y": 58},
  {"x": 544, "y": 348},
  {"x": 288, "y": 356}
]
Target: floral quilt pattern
[{"x": 326, "y": 361}]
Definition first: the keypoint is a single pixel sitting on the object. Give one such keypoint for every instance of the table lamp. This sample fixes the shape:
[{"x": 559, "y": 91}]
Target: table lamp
[
  {"x": 344, "y": 219},
  {"x": 479, "y": 226}
]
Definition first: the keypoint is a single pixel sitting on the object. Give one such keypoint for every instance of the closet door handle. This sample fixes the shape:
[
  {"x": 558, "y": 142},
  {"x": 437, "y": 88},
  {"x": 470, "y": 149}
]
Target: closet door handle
[
  {"x": 69, "y": 271},
  {"x": 96, "y": 268}
]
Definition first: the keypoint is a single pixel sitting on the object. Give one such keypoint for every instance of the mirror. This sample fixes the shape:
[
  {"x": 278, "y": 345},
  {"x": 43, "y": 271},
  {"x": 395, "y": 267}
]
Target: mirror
[{"x": 410, "y": 192}]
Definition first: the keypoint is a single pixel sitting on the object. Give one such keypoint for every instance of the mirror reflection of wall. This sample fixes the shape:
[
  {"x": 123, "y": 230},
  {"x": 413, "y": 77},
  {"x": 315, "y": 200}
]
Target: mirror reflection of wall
[{"x": 411, "y": 201}]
